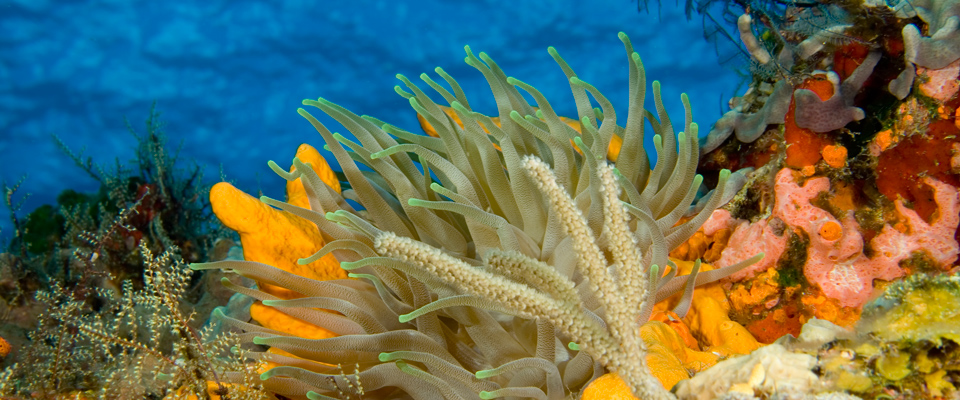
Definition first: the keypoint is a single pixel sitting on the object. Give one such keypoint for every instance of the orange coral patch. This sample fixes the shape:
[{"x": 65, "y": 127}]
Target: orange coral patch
[
  {"x": 673, "y": 320},
  {"x": 608, "y": 387},
  {"x": 824, "y": 308},
  {"x": 901, "y": 168},
  {"x": 707, "y": 248},
  {"x": 831, "y": 231},
  {"x": 844, "y": 196},
  {"x": 720, "y": 240},
  {"x": 835, "y": 156},
  {"x": 956, "y": 116},
  {"x": 848, "y": 58},
  {"x": 693, "y": 248},
  {"x": 756, "y": 292},
  {"x": 885, "y": 139},
  {"x": 782, "y": 321},
  {"x": 5, "y": 347},
  {"x": 803, "y": 145}
]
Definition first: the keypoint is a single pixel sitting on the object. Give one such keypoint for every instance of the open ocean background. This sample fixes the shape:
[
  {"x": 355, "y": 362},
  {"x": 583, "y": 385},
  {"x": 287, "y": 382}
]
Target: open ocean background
[{"x": 228, "y": 75}]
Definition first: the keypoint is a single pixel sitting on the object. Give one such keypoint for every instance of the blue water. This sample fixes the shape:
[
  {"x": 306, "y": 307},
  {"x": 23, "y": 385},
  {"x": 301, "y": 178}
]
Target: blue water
[{"x": 228, "y": 76}]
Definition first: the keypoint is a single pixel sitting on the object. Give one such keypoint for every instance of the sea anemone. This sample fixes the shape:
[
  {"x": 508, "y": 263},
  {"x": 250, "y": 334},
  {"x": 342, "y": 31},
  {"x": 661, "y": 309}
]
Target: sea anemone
[{"x": 502, "y": 258}]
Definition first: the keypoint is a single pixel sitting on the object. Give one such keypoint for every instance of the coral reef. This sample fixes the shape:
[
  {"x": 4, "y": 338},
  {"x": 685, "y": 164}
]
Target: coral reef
[
  {"x": 849, "y": 150},
  {"x": 529, "y": 255},
  {"x": 825, "y": 139}
]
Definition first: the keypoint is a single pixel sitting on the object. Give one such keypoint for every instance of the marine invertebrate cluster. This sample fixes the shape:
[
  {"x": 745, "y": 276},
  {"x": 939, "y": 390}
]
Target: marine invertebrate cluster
[
  {"x": 499, "y": 258},
  {"x": 906, "y": 345},
  {"x": 137, "y": 343},
  {"x": 837, "y": 257},
  {"x": 850, "y": 146},
  {"x": 98, "y": 301}
]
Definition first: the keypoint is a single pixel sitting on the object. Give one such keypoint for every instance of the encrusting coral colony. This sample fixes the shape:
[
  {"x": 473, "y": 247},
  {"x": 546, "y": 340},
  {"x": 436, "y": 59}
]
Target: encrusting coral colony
[{"x": 530, "y": 255}]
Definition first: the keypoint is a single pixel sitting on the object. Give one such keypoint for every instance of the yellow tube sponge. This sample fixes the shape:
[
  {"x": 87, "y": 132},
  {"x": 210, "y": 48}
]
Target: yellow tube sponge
[
  {"x": 272, "y": 236},
  {"x": 668, "y": 358},
  {"x": 296, "y": 195},
  {"x": 275, "y": 237}
]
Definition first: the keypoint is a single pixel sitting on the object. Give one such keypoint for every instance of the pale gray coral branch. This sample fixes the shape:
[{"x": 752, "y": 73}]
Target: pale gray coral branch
[
  {"x": 837, "y": 111},
  {"x": 749, "y": 127}
]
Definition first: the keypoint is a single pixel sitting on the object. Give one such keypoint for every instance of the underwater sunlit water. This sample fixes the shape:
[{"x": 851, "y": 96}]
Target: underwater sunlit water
[{"x": 227, "y": 76}]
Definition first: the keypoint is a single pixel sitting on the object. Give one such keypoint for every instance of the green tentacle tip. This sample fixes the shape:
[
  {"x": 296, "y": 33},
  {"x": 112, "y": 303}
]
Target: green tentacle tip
[
  {"x": 485, "y": 373},
  {"x": 384, "y": 357},
  {"x": 578, "y": 141},
  {"x": 269, "y": 303},
  {"x": 361, "y": 276},
  {"x": 259, "y": 340},
  {"x": 349, "y": 265},
  {"x": 487, "y": 395},
  {"x": 406, "y": 317},
  {"x": 573, "y": 346},
  {"x": 326, "y": 147},
  {"x": 266, "y": 375}
]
